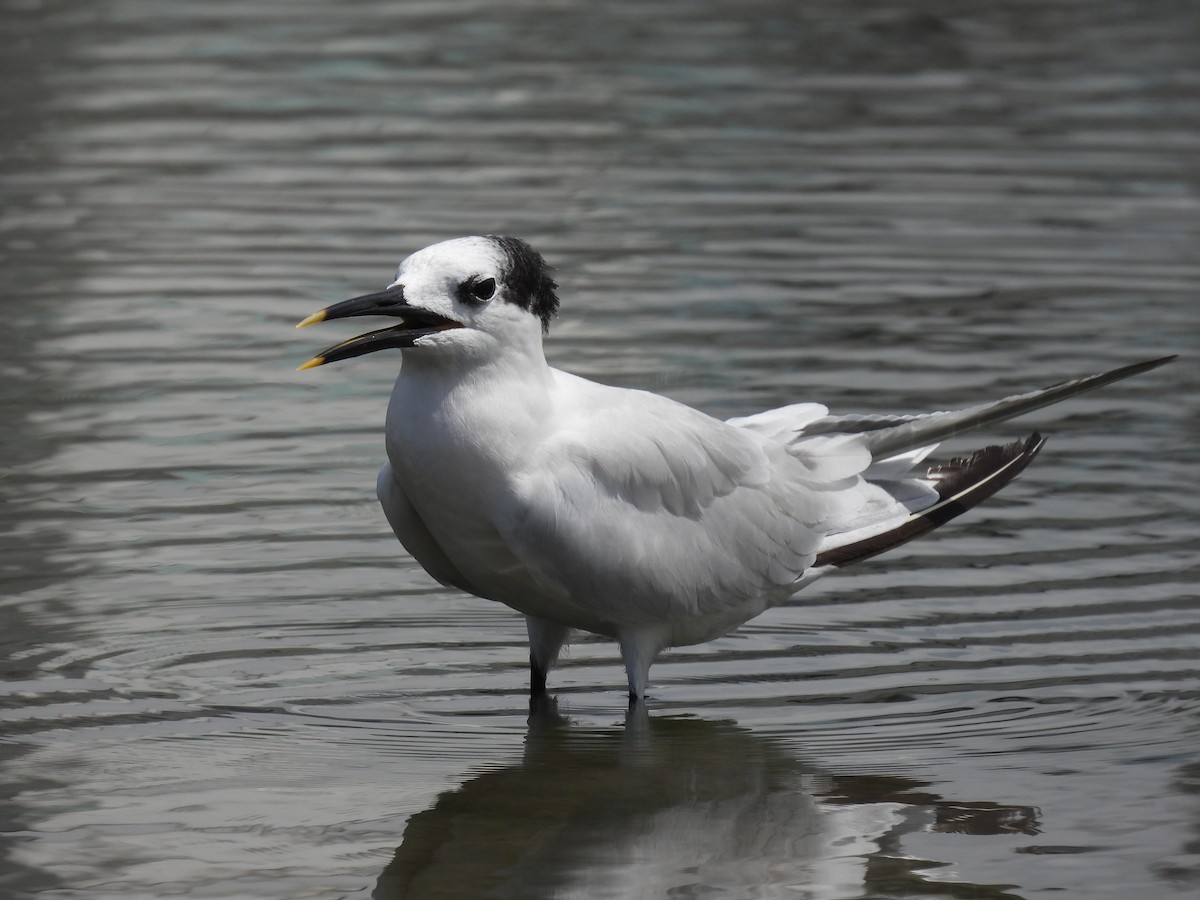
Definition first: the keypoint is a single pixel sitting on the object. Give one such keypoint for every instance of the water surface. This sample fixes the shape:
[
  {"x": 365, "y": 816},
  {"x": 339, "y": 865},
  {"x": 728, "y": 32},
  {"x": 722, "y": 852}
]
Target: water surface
[{"x": 223, "y": 678}]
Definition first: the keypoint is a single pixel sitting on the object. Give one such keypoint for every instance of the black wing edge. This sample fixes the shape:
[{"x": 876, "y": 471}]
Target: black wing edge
[{"x": 962, "y": 483}]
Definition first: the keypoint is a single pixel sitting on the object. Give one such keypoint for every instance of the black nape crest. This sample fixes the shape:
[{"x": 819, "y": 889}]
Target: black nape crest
[{"x": 528, "y": 278}]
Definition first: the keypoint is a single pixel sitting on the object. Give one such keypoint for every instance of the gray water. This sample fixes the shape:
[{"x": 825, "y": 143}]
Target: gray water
[{"x": 223, "y": 677}]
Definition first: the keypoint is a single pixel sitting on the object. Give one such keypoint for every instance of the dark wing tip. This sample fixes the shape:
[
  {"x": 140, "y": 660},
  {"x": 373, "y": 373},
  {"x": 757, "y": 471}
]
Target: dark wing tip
[
  {"x": 1128, "y": 371},
  {"x": 962, "y": 483}
]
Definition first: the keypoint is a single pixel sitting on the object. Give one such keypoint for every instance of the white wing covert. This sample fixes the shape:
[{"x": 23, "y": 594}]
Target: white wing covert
[{"x": 660, "y": 512}]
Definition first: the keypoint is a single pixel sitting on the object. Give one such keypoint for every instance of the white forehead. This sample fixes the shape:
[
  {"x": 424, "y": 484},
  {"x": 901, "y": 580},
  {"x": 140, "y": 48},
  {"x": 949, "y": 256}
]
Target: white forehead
[{"x": 454, "y": 260}]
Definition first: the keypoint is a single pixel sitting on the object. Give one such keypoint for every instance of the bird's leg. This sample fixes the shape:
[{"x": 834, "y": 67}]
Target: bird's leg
[
  {"x": 639, "y": 647},
  {"x": 537, "y": 677},
  {"x": 545, "y": 641}
]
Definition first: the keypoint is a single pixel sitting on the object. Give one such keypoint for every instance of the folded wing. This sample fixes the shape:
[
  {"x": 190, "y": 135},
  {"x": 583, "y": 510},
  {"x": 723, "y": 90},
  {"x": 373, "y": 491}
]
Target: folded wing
[{"x": 658, "y": 513}]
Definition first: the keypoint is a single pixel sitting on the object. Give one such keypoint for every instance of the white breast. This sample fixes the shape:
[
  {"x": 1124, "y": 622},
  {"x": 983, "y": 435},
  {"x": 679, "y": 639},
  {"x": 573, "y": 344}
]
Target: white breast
[{"x": 455, "y": 448}]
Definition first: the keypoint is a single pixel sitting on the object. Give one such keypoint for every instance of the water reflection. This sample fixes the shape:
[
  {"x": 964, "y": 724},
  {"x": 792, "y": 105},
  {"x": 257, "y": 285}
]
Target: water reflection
[
  {"x": 1180, "y": 865},
  {"x": 677, "y": 807}
]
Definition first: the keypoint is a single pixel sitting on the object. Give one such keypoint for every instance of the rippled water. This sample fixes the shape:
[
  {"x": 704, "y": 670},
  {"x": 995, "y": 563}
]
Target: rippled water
[{"x": 222, "y": 676}]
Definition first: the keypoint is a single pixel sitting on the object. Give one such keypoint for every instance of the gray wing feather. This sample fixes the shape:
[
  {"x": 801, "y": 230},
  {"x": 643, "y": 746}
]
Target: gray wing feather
[{"x": 886, "y": 436}]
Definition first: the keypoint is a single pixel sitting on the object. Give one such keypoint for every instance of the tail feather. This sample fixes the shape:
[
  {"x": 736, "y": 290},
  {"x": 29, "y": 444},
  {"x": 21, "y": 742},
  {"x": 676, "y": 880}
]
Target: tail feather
[{"x": 960, "y": 484}]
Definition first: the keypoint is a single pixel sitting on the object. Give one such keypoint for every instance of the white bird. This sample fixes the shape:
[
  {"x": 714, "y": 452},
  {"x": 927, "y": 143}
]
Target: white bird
[{"x": 621, "y": 512}]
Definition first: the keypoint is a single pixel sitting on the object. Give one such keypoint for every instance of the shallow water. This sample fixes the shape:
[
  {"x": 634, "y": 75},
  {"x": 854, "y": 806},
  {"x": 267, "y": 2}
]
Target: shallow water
[{"x": 222, "y": 676}]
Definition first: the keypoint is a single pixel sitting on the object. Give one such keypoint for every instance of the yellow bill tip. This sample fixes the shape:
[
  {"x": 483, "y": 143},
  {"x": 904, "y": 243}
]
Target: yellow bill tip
[
  {"x": 318, "y": 316},
  {"x": 312, "y": 363}
]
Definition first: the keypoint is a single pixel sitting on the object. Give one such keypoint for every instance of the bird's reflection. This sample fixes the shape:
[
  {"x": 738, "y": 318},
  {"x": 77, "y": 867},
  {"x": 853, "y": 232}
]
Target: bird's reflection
[{"x": 673, "y": 807}]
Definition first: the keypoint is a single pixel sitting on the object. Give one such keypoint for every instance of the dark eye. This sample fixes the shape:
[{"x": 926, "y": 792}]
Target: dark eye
[{"x": 484, "y": 290}]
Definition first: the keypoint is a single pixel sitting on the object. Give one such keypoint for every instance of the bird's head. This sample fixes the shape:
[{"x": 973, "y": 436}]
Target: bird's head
[{"x": 470, "y": 297}]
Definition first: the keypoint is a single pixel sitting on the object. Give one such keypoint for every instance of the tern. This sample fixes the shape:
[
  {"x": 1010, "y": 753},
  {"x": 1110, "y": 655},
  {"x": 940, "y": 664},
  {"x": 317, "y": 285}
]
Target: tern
[{"x": 621, "y": 512}]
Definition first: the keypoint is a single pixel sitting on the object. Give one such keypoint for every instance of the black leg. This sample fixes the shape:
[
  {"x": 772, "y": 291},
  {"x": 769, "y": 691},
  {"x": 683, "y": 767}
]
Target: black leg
[{"x": 537, "y": 678}]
